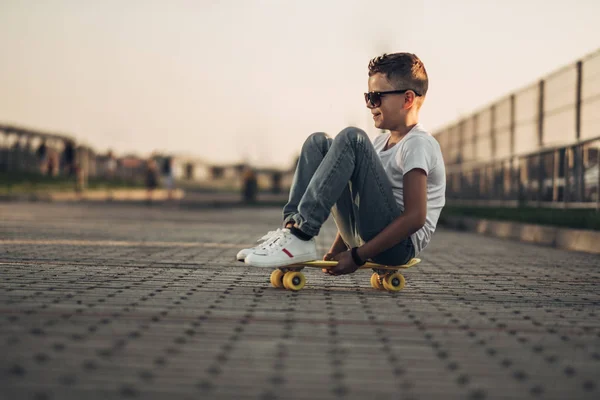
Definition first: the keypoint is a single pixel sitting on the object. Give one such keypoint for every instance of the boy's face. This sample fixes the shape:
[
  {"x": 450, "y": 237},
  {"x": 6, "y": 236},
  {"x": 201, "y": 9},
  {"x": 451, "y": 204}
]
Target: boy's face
[{"x": 391, "y": 112}]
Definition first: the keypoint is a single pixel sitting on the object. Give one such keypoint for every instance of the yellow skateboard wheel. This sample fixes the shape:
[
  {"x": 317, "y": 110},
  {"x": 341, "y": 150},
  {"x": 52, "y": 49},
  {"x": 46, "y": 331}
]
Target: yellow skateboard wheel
[
  {"x": 277, "y": 278},
  {"x": 294, "y": 280},
  {"x": 394, "y": 282},
  {"x": 375, "y": 282}
]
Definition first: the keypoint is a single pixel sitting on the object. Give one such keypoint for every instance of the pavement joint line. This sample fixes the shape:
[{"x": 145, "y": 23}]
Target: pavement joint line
[
  {"x": 109, "y": 243},
  {"x": 312, "y": 321},
  {"x": 153, "y": 265}
]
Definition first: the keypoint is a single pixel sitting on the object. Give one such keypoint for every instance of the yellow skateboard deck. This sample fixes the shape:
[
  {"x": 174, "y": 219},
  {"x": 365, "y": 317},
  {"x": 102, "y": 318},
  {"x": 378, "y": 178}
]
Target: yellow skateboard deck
[{"x": 385, "y": 277}]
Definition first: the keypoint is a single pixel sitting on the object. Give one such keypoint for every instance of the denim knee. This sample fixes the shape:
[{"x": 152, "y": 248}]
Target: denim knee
[
  {"x": 353, "y": 134},
  {"x": 318, "y": 139}
]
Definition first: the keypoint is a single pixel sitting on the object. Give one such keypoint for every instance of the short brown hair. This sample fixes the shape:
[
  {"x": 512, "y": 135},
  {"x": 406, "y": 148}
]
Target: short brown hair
[{"x": 403, "y": 70}]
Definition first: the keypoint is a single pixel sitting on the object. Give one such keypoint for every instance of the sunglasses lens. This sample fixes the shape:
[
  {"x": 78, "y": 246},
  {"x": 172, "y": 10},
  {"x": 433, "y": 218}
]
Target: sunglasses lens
[{"x": 373, "y": 99}]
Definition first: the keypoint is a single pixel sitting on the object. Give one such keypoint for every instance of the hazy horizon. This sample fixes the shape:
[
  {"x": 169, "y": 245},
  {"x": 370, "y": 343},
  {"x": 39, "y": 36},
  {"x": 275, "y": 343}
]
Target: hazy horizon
[{"x": 232, "y": 81}]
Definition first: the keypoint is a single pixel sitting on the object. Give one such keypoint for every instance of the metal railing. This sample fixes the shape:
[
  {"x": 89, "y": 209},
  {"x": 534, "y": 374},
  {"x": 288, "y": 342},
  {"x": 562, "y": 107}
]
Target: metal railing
[{"x": 538, "y": 146}]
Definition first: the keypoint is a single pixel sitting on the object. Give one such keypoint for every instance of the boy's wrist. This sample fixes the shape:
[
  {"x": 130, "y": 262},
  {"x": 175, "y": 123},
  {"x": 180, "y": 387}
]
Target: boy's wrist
[
  {"x": 360, "y": 251},
  {"x": 358, "y": 260}
]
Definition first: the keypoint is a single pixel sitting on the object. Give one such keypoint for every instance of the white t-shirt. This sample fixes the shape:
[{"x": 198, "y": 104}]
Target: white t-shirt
[{"x": 418, "y": 149}]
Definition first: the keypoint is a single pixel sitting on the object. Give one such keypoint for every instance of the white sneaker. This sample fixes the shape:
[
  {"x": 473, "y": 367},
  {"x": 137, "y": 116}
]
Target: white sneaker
[
  {"x": 243, "y": 253},
  {"x": 284, "y": 249}
]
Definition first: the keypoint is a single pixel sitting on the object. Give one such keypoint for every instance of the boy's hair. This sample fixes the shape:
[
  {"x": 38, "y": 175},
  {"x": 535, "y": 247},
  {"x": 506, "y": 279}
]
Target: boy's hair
[{"x": 403, "y": 70}]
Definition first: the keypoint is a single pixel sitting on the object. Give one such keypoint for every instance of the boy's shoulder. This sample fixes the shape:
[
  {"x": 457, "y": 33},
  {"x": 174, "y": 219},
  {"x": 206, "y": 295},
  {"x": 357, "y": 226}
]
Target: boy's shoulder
[
  {"x": 421, "y": 137},
  {"x": 423, "y": 140},
  {"x": 419, "y": 131},
  {"x": 418, "y": 137}
]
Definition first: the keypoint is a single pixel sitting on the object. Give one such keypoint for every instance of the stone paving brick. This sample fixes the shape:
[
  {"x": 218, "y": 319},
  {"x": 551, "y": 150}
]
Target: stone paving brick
[{"x": 123, "y": 301}]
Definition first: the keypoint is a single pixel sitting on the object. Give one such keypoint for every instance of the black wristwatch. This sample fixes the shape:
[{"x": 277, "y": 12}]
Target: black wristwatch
[{"x": 356, "y": 257}]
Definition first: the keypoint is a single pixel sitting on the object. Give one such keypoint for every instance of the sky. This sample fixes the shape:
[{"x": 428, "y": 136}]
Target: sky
[{"x": 247, "y": 80}]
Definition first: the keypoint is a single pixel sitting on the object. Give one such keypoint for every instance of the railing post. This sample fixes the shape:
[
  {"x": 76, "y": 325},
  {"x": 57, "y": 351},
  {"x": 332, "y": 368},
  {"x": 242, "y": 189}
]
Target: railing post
[
  {"x": 555, "y": 173},
  {"x": 540, "y": 131},
  {"x": 578, "y": 150},
  {"x": 540, "y": 122},
  {"x": 598, "y": 183},
  {"x": 461, "y": 140},
  {"x": 475, "y": 137},
  {"x": 512, "y": 125},
  {"x": 570, "y": 177},
  {"x": 3, "y": 166},
  {"x": 515, "y": 177},
  {"x": 493, "y": 148},
  {"x": 493, "y": 143},
  {"x": 578, "y": 88}
]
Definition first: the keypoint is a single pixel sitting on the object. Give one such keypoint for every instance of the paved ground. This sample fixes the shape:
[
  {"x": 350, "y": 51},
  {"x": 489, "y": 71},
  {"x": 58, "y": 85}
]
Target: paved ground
[{"x": 102, "y": 302}]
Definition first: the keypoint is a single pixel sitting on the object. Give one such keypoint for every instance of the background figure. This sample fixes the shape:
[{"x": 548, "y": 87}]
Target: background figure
[
  {"x": 42, "y": 154},
  {"x": 68, "y": 159},
  {"x": 80, "y": 170},
  {"x": 52, "y": 164},
  {"x": 151, "y": 177},
  {"x": 167, "y": 172},
  {"x": 249, "y": 185},
  {"x": 111, "y": 165},
  {"x": 276, "y": 182}
]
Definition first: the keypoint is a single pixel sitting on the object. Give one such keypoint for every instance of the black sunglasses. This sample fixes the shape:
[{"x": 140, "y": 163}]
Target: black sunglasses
[{"x": 374, "y": 98}]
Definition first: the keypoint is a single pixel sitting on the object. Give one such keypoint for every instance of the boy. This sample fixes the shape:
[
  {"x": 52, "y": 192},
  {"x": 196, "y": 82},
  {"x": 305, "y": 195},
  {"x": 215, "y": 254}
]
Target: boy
[{"x": 385, "y": 197}]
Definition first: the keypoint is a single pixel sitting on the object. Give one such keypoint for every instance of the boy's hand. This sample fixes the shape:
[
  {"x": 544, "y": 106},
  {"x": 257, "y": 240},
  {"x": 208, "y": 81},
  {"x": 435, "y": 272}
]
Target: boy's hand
[
  {"x": 345, "y": 264},
  {"x": 328, "y": 257}
]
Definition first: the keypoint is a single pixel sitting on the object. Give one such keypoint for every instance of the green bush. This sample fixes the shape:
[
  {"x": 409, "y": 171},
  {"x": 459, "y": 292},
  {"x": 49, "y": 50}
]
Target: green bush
[
  {"x": 569, "y": 218},
  {"x": 26, "y": 183}
]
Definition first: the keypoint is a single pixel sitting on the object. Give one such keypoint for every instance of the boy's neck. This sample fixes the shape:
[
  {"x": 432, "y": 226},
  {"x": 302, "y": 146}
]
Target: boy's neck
[{"x": 402, "y": 130}]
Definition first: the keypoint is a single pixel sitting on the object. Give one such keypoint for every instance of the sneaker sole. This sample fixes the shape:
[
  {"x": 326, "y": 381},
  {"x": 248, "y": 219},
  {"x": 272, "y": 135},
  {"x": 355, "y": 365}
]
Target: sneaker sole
[{"x": 298, "y": 260}]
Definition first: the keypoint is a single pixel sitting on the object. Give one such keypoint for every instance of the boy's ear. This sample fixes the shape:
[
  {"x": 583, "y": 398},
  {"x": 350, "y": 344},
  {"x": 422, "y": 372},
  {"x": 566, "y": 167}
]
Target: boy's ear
[{"x": 409, "y": 99}]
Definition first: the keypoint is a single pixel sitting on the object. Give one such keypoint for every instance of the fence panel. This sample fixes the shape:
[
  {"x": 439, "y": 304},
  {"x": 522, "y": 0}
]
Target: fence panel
[
  {"x": 590, "y": 98},
  {"x": 484, "y": 135},
  {"x": 469, "y": 139},
  {"x": 560, "y": 94},
  {"x": 502, "y": 129},
  {"x": 526, "y": 115}
]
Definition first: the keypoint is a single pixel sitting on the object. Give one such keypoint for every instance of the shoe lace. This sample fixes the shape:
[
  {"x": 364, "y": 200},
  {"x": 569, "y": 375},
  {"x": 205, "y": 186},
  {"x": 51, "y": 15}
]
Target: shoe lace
[
  {"x": 277, "y": 241},
  {"x": 269, "y": 235},
  {"x": 269, "y": 238}
]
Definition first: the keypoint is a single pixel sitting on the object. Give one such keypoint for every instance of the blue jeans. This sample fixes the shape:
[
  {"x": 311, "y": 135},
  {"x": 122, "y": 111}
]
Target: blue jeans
[{"x": 344, "y": 176}]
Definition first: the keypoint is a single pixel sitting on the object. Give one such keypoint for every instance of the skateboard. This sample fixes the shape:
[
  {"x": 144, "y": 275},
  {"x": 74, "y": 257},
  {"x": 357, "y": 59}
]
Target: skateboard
[{"x": 384, "y": 277}]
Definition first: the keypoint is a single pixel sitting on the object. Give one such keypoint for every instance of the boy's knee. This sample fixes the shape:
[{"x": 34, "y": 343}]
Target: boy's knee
[
  {"x": 318, "y": 139},
  {"x": 353, "y": 134}
]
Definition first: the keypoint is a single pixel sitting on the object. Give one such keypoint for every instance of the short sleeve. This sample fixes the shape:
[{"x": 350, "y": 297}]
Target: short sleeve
[{"x": 416, "y": 153}]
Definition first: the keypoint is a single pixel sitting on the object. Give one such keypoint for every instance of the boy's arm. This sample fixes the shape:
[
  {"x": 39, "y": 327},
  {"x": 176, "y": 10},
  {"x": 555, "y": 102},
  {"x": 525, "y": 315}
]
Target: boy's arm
[
  {"x": 411, "y": 220},
  {"x": 337, "y": 246}
]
